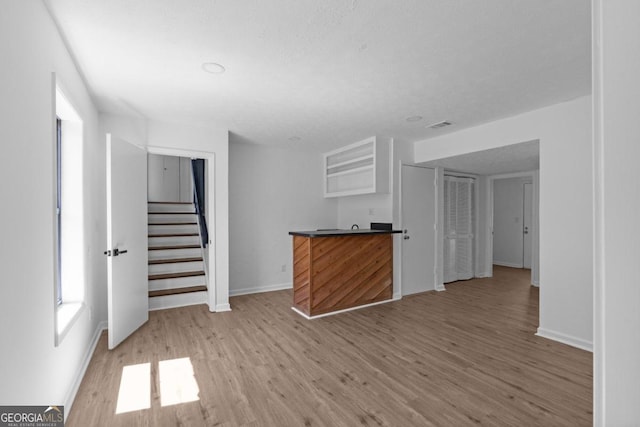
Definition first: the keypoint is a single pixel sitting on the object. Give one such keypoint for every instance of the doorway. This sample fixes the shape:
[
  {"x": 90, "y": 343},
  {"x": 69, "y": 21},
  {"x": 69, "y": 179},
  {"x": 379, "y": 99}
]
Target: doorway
[{"x": 513, "y": 203}]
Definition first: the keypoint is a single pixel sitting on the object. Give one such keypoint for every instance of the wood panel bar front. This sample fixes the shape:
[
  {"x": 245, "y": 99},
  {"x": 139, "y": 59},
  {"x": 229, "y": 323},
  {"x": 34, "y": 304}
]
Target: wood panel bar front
[{"x": 341, "y": 272}]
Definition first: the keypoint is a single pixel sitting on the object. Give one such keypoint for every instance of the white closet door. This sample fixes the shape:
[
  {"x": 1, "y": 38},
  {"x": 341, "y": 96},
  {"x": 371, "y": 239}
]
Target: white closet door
[{"x": 458, "y": 244}]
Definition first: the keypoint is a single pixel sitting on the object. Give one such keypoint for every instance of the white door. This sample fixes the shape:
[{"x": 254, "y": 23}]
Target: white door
[
  {"x": 128, "y": 302},
  {"x": 418, "y": 223},
  {"x": 527, "y": 241}
]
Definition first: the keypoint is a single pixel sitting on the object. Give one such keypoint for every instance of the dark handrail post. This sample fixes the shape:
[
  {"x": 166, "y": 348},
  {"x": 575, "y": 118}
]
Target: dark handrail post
[{"x": 198, "y": 196}]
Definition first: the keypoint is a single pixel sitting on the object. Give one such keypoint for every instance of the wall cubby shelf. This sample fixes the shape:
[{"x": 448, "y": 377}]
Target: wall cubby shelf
[{"x": 360, "y": 168}]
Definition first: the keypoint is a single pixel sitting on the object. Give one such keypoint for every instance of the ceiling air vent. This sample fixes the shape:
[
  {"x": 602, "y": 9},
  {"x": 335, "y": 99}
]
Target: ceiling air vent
[{"x": 439, "y": 125}]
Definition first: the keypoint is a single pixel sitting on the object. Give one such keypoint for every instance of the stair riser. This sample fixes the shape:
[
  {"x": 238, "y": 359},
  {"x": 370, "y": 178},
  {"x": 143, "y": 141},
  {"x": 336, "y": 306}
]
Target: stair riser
[
  {"x": 176, "y": 267},
  {"x": 155, "y": 207},
  {"x": 175, "y": 253},
  {"x": 160, "y": 217},
  {"x": 180, "y": 282},
  {"x": 171, "y": 229},
  {"x": 170, "y": 301},
  {"x": 174, "y": 240}
]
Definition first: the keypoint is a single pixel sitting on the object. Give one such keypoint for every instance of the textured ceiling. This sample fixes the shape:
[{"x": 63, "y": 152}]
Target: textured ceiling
[
  {"x": 330, "y": 72},
  {"x": 511, "y": 158}
]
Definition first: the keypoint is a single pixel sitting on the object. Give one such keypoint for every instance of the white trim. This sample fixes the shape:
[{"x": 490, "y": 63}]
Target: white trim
[
  {"x": 341, "y": 311},
  {"x": 565, "y": 339},
  {"x": 71, "y": 394},
  {"x": 507, "y": 264},
  {"x": 260, "y": 289},
  {"x": 598, "y": 190},
  {"x": 223, "y": 307}
]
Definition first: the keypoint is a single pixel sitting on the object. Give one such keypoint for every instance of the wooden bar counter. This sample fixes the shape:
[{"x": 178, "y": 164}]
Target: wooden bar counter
[{"x": 341, "y": 269}]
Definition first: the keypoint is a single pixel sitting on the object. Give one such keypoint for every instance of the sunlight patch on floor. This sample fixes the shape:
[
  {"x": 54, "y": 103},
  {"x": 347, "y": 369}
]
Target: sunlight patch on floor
[
  {"x": 135, "y": 388},
  {"x": 177, "y": 382}
]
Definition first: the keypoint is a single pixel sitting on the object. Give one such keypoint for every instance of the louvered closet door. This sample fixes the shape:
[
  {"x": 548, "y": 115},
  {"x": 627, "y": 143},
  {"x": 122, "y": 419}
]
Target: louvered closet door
[{"x": 458, "y": 231}]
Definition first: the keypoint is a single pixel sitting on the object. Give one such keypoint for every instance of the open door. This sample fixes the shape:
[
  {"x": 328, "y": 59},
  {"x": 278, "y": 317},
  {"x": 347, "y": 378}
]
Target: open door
[
  {"x": 419, "y": 235},
  {"x": 128, "y": 289}
]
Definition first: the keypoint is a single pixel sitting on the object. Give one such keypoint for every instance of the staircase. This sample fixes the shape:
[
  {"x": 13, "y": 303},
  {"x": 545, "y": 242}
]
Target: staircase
[{"x": 177, "y": 275}]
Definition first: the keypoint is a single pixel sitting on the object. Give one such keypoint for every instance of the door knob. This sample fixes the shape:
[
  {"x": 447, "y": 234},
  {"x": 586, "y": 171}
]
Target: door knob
[
  {"x": 526, "y": 230},
  {"x": 405, "y": 237},
  {"x": 115, "y": 252}
]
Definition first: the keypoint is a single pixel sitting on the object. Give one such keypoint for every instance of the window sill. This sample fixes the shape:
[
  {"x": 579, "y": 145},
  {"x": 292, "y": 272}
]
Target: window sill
[{"x": 66, "y": 315}]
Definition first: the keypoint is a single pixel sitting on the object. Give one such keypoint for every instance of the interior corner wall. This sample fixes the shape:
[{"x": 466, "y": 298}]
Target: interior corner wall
[
  {"x": 272, "y": 191},
  {"x": 565, "y": 206},
  {"x": 33, "y": 370}
]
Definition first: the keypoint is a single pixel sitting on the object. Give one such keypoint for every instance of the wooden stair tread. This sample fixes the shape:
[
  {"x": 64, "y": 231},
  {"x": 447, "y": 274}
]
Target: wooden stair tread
[
  {"x": 170, "y": 203},
  {"x": 174, "y": 235},
  {"x": 172, "y": 223},
  {"x": 171, "y": 213},
  {"x": 176, "y": 275},
  {"x": 161, "y": 248},
  {"x": 177, "y": 291},
  {"x": 174, "y": 260}
]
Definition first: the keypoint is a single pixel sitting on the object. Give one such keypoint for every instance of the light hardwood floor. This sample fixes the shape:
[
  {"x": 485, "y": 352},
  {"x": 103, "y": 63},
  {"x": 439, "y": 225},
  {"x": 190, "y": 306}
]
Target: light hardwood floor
[{"x": 466, "y": 356}]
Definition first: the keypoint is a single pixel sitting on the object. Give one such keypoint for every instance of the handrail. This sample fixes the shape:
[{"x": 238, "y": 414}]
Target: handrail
[{"x": 198, "y": 196}]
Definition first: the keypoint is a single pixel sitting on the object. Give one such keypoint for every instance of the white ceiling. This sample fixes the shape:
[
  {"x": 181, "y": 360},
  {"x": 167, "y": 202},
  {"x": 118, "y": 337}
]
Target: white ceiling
[
  {"x": 330, "y": 72},
  {"x": 511, "y": 158}
]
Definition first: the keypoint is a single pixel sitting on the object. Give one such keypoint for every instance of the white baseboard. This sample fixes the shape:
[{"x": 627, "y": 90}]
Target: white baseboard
[
  {"x": 223, "y": 307},
  {"x": 508, "y": 264},
  {"x": 260, "y": 289},
  {"x": 440, "y": 288},
  {"x": 535, "y": 283},
  {"x": 71, "y": 394},
  {"x": 342, "y": 311},
  {"x": 566, "y": 339}
]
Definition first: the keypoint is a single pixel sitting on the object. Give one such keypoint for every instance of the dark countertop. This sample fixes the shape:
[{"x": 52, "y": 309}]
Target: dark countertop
[{"x": 337, "y": 233}]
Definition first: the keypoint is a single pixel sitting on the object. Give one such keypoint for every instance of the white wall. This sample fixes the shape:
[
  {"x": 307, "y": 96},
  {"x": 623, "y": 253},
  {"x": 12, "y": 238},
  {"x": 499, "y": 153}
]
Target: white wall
[
  {"x": 272, "y": 191},
  {"x": 169, "y": 179},
  {"x": 565, "y": 206},
  {"x": 617, "y": 268},
  {"x": 507, "y": 221},
  {"x": 32, "y": 369},
  {"x": 364, "y": 209}
]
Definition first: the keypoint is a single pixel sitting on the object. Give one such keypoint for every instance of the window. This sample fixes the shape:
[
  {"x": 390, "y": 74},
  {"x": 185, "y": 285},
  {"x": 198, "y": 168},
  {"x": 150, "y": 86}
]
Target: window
[
  {"x": 69, "y": 217},
  {"x": 58, "y": 210}
]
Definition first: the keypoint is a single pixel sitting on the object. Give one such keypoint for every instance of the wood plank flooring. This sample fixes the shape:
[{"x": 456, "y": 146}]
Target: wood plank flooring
[{"x": 467, "y": 356}]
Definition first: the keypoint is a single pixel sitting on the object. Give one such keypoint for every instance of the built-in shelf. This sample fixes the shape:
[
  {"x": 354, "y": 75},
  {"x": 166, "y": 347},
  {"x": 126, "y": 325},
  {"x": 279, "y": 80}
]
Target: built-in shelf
[{"x": 360, "y": 168}]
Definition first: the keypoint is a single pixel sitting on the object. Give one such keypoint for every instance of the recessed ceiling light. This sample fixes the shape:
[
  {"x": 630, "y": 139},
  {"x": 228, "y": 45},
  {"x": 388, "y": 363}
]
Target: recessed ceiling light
[
  {"x": 213, "y": 68},
  {"x": 414, "y": 118},
  {"x": 439, "y": 125},
  {"x": 294, "y": 138}
]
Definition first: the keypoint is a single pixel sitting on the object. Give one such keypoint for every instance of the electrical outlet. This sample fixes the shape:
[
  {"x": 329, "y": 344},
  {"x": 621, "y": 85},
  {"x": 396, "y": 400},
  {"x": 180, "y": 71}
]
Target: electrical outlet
[{"x": 283, "y": 268}]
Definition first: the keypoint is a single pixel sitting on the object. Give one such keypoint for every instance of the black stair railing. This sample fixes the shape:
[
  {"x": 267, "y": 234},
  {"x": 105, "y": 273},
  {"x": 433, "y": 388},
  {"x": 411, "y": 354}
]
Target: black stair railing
[{"x": 197, "y": 170}]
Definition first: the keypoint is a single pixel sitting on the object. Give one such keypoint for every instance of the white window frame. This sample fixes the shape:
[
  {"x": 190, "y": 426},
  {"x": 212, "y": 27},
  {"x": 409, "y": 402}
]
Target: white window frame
[{"x": 69, "y": 263}]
